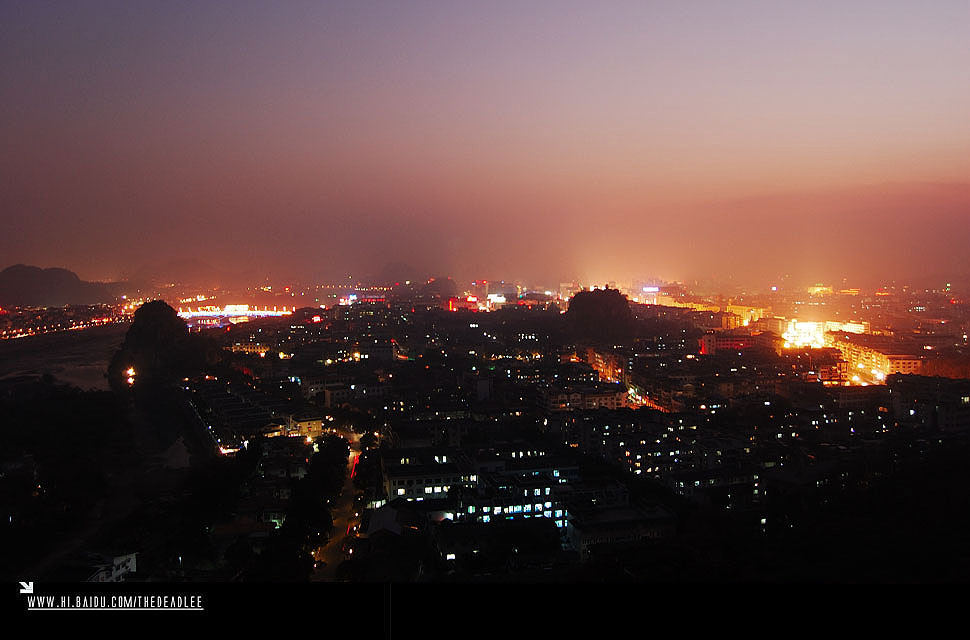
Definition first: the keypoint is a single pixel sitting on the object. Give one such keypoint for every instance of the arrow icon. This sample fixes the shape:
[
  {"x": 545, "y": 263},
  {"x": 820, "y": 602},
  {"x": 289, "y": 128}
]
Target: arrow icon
[{"x": 26, "y": 587}]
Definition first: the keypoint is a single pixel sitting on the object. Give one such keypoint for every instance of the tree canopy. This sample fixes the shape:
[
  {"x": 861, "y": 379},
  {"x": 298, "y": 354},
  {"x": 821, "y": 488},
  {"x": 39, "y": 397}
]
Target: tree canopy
[
  {"x": 601, "y": 315},
  {"x": 158, "y": 347}
]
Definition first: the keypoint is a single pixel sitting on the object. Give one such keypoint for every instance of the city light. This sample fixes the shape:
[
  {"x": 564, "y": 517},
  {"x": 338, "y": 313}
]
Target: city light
[
  {"x": 804, "y": 334},
  {"x": 232, "y": 311},
  {"x": 722, "y": 292}
]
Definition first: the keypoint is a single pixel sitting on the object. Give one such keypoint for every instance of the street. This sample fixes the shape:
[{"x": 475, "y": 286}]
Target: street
[{"x": 329, "y": 556}]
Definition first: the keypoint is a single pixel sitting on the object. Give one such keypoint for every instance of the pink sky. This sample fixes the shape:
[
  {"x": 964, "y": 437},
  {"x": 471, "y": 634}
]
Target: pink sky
[{"x": 517, "y": 140}]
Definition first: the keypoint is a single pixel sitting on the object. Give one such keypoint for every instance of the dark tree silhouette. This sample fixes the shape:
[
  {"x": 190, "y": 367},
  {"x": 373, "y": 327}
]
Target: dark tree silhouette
[
  {"x": 602, "y": 315},
  {"x": 328, "y": 467},
  {"x": 159, "y": 348}
]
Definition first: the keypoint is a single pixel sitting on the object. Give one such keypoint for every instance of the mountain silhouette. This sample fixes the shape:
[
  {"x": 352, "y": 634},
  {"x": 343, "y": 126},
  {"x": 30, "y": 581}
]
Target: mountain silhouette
[{"x": 26, "y": 286}]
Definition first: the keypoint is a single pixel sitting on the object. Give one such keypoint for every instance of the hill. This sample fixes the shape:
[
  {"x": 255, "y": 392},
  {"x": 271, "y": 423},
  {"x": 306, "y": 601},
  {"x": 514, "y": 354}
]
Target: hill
[{"x": 26, "y": 286}]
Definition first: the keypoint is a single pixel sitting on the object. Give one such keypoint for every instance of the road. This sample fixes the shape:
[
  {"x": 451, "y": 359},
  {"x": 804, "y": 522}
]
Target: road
[{"x": 329, "y": 556}]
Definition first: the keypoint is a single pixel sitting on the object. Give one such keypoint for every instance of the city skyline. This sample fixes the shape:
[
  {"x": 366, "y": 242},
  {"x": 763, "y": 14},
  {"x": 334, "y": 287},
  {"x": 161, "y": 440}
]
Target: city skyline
[{"x": 555, "y": 141}]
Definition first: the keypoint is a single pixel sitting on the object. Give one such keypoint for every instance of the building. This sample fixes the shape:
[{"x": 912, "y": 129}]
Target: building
[
  {"x": 580, "y": 397},
  {"x": 425, "y": 473},
  {"x": 873, "y": 358}
]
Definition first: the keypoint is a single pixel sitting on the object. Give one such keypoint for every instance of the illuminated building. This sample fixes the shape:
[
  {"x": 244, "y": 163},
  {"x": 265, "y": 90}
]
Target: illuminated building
[
  {"x": 647, "y": 294},
  {"x": 748, "y": 315},
  {"x": 310, "y": 426},
  {"x": 714, "y": 320},
  {"x": 800, "y": 334},
  {"x": 467, "y": 303},
  {"x": 871, "y": 360},
  {"x": 573, "y": 397},
  {"x": 804, "y": 334},
  {"x": 713, "y": 343},
  {"x": 610, "y": 366},
  {"x": 233, "y": 312},
  {"x": 848, "y": 327},
  {"x": 820, "y": 290},
  {"x": 425, "y": 473},
  {"x": 568, "y": 289},
  {"x": 252, "y": 348},
  {"x": 835, "y": 373},
  {"x": 670, "y": 301},
  {"x": 736, "y": 487}
]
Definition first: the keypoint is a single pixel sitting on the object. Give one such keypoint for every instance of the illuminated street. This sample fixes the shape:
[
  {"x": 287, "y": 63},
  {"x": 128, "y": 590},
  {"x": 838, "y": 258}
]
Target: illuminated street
[{"x": 329, "y": 556}]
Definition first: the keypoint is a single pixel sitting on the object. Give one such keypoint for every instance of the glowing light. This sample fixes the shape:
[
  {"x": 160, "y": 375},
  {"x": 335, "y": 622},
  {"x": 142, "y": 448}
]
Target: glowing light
[
  {"x": 804, "y": 334},
  {"x": 820, "y": 290},
  {"x": 237, "y": 310}
]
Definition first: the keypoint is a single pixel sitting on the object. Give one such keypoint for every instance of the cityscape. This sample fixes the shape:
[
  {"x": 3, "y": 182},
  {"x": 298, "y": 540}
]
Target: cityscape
[{"x": 640, "y": 294}]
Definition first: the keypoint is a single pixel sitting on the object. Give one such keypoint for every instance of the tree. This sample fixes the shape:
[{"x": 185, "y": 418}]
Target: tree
[
  {"x": 602, "y": 315},
  {"x": 158, "y": 349},
  {"x": 328, "y": 467},
  {"x": 369, "y": 441}
]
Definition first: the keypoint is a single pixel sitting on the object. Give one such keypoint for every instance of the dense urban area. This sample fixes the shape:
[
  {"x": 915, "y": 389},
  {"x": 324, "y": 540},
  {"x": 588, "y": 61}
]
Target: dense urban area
[{"x": 438, "y": 431}]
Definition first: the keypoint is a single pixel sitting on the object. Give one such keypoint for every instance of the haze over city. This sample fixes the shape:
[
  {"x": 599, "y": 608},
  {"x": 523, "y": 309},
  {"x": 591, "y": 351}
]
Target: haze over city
[
  {"x": 372, "y": 310},
  {"x": 547, "y": 141}
]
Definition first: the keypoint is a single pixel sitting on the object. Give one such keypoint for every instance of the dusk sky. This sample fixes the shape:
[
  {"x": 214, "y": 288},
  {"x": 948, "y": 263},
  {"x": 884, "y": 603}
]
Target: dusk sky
[{"x": 537, "y": 140}]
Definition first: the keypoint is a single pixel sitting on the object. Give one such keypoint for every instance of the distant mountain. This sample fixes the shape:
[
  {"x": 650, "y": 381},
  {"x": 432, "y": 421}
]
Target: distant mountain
[{"x": 26, "y": 286}]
